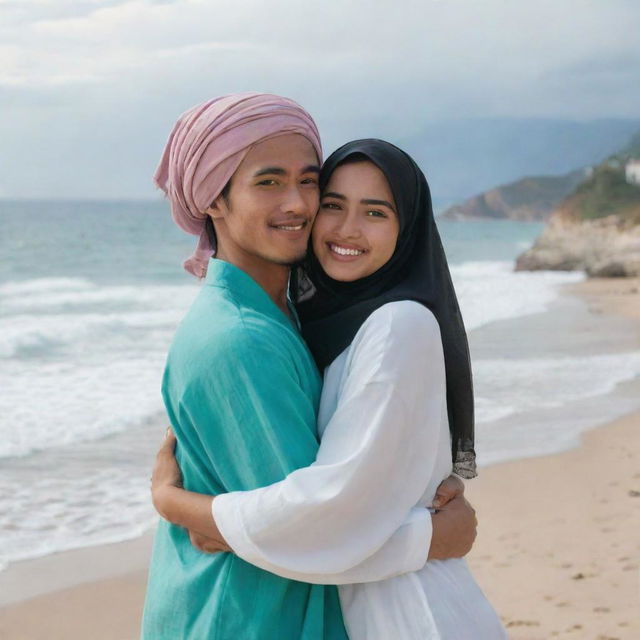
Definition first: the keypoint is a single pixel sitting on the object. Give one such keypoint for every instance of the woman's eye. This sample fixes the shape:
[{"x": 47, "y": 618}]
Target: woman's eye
[
  {"x": 376, "y": 214},
  {"x": 330, "y": 205}
]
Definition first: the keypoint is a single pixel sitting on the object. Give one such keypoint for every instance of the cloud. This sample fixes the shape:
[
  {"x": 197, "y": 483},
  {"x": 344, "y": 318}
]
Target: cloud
[{"x": 366, "y": 67}]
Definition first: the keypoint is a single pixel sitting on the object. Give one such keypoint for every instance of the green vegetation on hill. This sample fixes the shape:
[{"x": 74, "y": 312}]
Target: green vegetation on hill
[{"x": 607, "y": 192}]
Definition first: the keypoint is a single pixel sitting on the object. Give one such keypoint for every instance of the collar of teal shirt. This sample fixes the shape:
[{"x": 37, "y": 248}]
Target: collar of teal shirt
[{"x": 228, "y": 276}]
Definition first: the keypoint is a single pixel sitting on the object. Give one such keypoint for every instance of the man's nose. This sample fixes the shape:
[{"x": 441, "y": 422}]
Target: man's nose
[{"x": 295, "y": 201}]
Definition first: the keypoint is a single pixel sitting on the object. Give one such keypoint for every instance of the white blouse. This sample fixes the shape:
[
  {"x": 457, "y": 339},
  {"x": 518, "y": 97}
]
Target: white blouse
[{"x": 358, "y": 516}]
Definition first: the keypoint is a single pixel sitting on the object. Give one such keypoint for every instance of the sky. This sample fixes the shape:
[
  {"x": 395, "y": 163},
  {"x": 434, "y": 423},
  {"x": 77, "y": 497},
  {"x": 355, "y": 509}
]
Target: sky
[{"x": 89, "y": 90}]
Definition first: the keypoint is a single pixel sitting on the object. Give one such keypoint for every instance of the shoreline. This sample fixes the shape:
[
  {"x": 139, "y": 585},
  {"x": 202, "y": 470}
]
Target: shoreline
[{"x": 585, "y": 510}]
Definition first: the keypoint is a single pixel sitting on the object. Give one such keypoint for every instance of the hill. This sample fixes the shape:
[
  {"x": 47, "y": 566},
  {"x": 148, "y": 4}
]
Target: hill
[
  {"x": 597, "y": 227},
  {"x": 528, "y": 199}
]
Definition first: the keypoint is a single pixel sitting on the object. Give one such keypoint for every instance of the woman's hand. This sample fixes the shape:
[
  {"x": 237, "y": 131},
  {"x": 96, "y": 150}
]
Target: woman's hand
[
  {"x": 166, "y": 473},
  {"x": 454, "y": 530},
  {"x": 206, "y": 544},
  {"x": 450, "y": 488}
]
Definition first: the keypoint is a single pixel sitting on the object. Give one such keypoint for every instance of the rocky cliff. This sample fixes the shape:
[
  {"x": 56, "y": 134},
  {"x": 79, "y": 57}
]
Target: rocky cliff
[{"x": 595, "y": 229}]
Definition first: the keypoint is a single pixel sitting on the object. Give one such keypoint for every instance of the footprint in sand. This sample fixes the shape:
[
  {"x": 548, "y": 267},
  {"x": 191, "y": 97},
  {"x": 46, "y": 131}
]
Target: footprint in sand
[
  {"x": 582, "y": 576},
  {"x": 523, "y": 623}
]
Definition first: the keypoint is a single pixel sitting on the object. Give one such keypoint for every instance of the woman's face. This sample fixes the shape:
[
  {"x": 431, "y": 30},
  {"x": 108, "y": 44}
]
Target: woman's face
[{"x": 356, "y": 229}]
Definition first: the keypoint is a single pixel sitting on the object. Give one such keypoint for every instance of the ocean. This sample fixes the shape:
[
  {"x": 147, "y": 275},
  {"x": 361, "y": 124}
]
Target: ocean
[{"x": 91, "y": 293}]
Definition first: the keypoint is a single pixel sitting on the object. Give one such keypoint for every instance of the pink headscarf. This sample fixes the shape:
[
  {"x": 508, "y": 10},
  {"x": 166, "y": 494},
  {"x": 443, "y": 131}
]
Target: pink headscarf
[{"x": 207, "y": 145}]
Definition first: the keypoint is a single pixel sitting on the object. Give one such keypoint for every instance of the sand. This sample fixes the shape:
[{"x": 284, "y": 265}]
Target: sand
[{"x": 557, "y": 551}]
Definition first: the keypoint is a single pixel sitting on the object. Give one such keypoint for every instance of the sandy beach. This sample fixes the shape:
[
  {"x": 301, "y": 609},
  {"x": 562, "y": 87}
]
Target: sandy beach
[{"x": 557, "y": 551}]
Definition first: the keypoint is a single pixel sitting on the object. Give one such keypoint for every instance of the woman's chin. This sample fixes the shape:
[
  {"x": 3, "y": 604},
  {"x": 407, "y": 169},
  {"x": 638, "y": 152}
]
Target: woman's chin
[{"x": 340, "y": 273}]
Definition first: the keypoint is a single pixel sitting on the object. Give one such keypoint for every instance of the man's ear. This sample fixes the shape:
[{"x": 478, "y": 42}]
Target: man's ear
[{"x": 217, "y": 210}]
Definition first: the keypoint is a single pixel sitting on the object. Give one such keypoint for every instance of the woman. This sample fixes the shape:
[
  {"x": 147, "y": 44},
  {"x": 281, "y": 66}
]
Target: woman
[{"x": 380, "y": 315}]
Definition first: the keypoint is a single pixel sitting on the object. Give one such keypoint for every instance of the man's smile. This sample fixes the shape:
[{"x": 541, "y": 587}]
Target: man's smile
[{"x": 291, "y": 225}]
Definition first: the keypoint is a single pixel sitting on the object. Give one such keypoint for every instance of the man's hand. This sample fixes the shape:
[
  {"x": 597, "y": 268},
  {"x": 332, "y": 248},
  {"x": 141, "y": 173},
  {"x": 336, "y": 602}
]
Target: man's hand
[
  {"x": 207, "y": 545},
  {"x": 454, "y": 530},
  {"x": 186, "y": 509},
  {"x": 450, "y": 488},
  {"x": 166, "y": 472}
]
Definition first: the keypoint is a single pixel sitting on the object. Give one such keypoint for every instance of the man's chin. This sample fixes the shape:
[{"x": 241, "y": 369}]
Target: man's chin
[{"x": 291, "y": 261}]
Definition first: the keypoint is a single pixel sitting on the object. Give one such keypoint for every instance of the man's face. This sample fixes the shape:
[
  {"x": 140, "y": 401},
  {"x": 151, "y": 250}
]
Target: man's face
[{"x": 272, "y": 203}]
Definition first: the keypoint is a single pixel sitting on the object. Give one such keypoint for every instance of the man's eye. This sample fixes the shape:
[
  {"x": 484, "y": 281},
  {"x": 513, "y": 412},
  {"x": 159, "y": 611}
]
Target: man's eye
[
  {"x": 310, "y": 181},
  {"x": 267, "y": 183}
]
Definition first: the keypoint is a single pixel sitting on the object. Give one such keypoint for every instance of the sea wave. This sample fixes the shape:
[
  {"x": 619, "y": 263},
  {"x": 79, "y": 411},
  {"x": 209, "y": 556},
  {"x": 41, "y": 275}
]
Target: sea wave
[
  {"x": 505, "y": 387},
  {"x": 72, "y": 374},
  {"x": 490, "y": 291},
  {"x": 70, "y": 510},
  {"x": 36, "y": 286},
  {"x": 71, "y": 294}
]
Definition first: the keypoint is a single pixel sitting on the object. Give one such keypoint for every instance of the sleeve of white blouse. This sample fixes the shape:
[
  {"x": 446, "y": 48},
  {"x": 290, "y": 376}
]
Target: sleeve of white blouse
[{"x": 350, "y": 516}]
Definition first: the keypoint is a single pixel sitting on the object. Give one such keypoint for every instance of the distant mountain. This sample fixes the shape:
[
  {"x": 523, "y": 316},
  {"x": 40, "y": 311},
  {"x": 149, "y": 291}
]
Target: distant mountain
[
  {"x": 463, "y": 158},
  {"x": 528, "y": 199},
  {"x": 597, "y": 227}
]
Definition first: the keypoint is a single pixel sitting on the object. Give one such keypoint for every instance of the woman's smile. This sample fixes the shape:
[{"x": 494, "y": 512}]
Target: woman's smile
[{"x": 344, "y": 252}]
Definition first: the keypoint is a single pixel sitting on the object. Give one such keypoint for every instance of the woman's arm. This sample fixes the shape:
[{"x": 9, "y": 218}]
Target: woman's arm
[
  {"x": 403, "y": 552},
  {"x": 193, "y": 510}
]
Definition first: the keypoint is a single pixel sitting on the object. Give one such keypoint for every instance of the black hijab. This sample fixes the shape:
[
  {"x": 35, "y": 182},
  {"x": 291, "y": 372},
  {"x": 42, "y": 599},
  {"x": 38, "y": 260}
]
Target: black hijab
[{"x": 417, "y": 270}]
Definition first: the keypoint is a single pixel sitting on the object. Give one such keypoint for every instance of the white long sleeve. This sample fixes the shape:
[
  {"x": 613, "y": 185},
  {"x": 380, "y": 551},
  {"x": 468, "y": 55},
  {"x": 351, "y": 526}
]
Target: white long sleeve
[{"x": 351, "y": 516}]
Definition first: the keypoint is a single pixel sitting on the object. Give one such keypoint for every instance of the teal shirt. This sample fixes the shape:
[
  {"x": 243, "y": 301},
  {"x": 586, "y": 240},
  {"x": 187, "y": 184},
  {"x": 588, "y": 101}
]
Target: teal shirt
[{"x": 242, "y": 392}]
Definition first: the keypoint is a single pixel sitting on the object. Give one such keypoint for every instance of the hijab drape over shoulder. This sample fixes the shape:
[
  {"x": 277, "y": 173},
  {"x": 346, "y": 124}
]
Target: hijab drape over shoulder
[
  {"x": 417, "y": 271},
  {"x": 207, "y": 145}
]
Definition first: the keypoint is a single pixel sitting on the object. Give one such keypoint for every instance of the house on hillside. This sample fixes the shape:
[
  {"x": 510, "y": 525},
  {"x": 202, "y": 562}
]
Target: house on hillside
[{"x": 632, "y": 172}]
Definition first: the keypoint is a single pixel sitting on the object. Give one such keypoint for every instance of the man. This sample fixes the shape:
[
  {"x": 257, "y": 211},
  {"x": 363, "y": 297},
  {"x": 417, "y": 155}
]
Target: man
[{"x": 240, "y": 387}]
